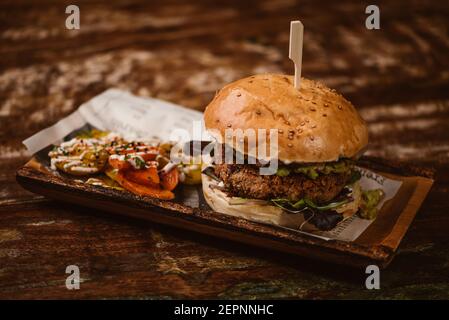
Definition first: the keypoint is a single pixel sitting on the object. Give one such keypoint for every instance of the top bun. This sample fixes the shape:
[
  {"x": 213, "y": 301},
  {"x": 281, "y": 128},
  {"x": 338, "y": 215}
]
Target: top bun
[{"x": 315, "y": 123}]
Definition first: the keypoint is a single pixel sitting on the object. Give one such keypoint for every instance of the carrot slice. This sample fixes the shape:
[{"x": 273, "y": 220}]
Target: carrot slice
[
  {"x": 119, "y": 164},
  {"x": 142, "y": 190},
  {"x": 170, "y": 179},
  {"x": 147, "y": 177}
]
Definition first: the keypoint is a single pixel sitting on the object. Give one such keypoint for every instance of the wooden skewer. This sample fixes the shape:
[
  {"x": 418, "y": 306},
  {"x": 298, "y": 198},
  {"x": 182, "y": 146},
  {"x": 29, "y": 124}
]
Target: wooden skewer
[{"x": 295, "y": 50}]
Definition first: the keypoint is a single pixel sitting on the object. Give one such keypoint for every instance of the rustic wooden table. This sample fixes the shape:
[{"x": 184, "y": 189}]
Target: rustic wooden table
[{"x": 183, "y": 52}]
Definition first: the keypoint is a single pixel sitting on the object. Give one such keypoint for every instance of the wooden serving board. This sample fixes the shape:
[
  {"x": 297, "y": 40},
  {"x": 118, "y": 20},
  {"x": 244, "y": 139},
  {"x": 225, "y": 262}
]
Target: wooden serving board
[{"x": 377, "y": 245}]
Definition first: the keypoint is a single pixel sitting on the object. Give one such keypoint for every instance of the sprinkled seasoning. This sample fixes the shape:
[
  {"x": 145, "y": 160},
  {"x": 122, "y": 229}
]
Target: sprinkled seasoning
[
  {"x": 339, "y": 107},
  {"x": 239, "y": 94},
  {"x": 229, "y": 125},
  {"x": 258, "y": 112},
  {"x": 326, "y": 105},
  {"x": 314, "y": 126},
  {"x": 312, "y": 138},
  {"x": 303, "y": 123},
  {"x": 300, "y": 130},
  {"x": 312, "y": 109},
  {"x": 324, "y": 115},
  {"x": 281, "y": 131},
  {"x": 290, "y": 145}
]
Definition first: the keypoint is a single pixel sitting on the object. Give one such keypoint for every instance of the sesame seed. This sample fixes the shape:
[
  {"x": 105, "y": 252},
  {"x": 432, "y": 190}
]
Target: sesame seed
[
  {"x": 312, "y": 109},
  {"x": 312, "y": 138},
  {"x": 290, "y": 145},
  {"x": 324, "y": 115},
  {"x": 314, "y": 126},
  {"x": 300, "y": 130},
  {"x": 281, "y": 131},
  {"x": 239, "y": 94},
  {"x": 287, "y": 123},
  {"x": 258, "y": 112},
  {"x": 339, "y": 107},
  {"x": 303, "y": 123},
  {"x": 326, "y": 105},
  {"x": 307, "y": 120},
  {"x": 229, "y": 125}
]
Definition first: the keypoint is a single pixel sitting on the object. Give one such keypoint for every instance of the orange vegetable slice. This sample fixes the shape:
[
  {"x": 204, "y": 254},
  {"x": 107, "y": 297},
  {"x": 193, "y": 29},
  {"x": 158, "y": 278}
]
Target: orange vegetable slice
[
  {"x": 141, "y": 190},
  {"x": 147, "y": 177},
  {"x": 170, "y": 179},
  {"x": 119, "y": 164}
]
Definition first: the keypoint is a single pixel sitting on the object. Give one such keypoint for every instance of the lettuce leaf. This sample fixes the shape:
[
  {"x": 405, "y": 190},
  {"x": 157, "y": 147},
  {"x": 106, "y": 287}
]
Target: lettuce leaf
[{"x": 289, "y": 205}]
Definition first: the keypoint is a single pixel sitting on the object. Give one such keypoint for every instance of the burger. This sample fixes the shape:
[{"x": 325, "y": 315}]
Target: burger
[{"x": 320, "y": 135}]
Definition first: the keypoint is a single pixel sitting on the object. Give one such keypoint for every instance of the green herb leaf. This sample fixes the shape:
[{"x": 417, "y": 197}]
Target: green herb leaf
[{"x": 140, "y": 163}]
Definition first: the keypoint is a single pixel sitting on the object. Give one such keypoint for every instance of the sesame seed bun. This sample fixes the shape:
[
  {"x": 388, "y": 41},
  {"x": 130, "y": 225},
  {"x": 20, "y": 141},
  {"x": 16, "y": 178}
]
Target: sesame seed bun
[{"x": 314, "y": 124}]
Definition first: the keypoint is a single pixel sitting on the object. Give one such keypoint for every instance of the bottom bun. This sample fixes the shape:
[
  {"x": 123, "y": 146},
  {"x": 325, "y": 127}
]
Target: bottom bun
[{"x": 264, "y": 211}]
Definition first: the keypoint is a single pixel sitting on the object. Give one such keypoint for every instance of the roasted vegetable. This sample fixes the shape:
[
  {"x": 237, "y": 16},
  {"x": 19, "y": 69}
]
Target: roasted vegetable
[
  {"x": 142, "y": 190},
  {"x": 87, "y": 162},
  {"x": 170, "y": 179},
  {"x": 134, "y": 166},
  {"x": 370, "y": 200},
  {"x": 147, "y": 176}
]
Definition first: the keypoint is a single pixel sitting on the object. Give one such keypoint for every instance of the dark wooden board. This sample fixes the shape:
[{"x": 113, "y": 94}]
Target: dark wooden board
[{"x": 376, "y": 245}]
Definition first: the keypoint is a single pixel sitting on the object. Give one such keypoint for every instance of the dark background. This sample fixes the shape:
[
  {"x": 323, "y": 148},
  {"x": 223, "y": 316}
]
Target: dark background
[{"x": 183, "y": 52}]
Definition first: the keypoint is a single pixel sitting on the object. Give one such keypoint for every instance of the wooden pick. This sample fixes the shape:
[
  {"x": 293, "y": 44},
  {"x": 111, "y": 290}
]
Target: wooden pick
[{"x": 295, "y": 50}]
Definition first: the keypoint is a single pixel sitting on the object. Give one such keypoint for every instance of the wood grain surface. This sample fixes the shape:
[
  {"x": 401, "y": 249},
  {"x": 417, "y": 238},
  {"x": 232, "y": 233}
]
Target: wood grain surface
[{"x": 183, "y": 52}]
